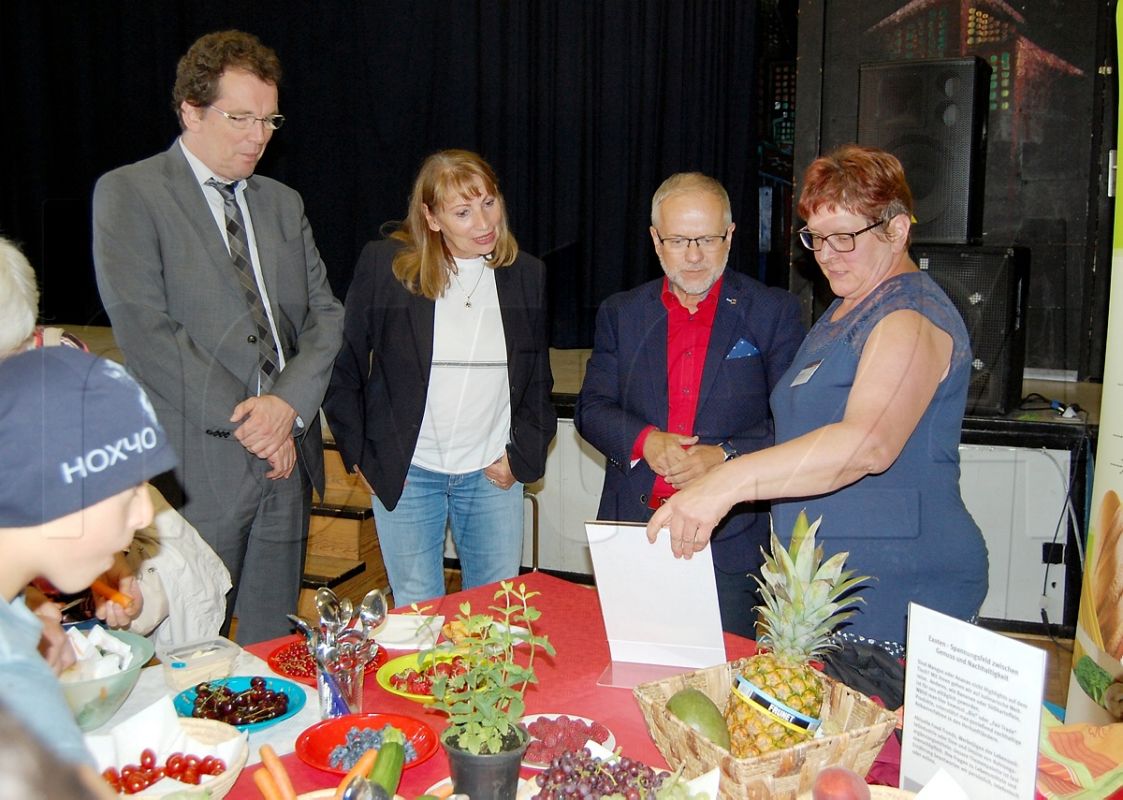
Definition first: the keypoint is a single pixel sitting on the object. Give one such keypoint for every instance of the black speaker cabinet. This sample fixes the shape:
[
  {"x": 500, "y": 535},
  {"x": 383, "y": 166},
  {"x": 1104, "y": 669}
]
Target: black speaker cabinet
[
  {"x": 932, "y": 115},
  {"x": 990, "y": 287}
]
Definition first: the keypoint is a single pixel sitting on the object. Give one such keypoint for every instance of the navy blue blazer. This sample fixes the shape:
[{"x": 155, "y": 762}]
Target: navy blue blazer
[{"x": 625, "y": 390}]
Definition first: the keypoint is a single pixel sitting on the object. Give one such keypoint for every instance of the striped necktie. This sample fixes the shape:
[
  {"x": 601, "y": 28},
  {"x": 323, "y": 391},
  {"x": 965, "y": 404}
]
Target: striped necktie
[{"x": 240, "y": 255}]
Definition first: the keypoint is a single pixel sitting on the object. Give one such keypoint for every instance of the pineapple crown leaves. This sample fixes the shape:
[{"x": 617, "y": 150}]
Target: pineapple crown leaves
[
  {"x": 485, "y": 703},
  {"x": 804, "y": 596}
]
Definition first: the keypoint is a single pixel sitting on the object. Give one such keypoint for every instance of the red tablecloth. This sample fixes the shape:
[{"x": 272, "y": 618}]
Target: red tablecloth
[{"x": 571, "y": 617}]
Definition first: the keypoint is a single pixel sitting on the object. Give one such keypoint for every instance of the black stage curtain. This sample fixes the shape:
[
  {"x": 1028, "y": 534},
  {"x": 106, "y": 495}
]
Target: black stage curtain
[{"x": 582, "y": 107}]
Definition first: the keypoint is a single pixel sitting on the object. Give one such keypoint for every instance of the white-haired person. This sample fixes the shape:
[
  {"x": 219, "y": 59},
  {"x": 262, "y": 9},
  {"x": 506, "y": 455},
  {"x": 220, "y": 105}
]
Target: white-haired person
[{"x": 19, "y": 306}]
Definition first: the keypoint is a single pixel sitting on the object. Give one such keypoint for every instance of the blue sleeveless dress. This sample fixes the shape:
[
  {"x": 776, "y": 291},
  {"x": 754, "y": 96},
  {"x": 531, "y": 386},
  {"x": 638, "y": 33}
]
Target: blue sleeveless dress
[{"x": 907, "y": 528}]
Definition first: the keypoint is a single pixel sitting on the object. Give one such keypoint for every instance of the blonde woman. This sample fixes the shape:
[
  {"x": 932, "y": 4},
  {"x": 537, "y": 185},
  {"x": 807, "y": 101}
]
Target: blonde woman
[{"x": 440, "y": 398}]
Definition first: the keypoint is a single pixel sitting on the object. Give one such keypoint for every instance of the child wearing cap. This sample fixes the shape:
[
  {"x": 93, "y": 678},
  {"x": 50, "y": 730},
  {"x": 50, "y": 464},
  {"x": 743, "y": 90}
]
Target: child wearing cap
[{"x": 78, "y": 440}]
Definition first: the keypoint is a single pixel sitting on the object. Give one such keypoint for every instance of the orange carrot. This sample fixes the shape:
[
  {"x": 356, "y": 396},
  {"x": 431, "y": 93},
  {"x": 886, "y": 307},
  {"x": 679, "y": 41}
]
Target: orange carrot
[
  {"x": 109, "y": 593},
  {"x": 362, "y": 767},
  {"x": 278, "y": 772},
  {"x": 266, "y": 785}
]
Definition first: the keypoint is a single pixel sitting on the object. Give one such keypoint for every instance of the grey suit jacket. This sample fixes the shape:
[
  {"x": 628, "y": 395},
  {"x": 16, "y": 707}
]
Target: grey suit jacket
[{"x": 178, "y": 312}]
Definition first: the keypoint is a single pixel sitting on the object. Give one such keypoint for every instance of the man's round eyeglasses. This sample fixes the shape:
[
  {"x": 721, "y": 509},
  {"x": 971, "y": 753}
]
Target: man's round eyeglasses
[
  {"x": 839, "y": 242},
  {"x": 679, "y": 244},
  {"x": 244, "y": 122}
]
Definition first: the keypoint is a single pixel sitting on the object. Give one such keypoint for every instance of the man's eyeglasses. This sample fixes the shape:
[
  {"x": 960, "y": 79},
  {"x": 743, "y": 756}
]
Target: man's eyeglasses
[
  {"x": 678, "y": 244},
  {"x": 839, "y": 242},
  {"x": 244, "y": 122}
]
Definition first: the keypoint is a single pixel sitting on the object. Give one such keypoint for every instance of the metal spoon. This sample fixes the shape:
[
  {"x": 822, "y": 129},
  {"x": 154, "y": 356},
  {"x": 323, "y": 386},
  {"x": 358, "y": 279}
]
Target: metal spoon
[
  {"x": 346, "y": 613},
  {"x": 327, "y": 606},
  {"x": 358, "y": 789},
  {"x": 299, "y": 622},
  {"x": 372, "y": 611}
]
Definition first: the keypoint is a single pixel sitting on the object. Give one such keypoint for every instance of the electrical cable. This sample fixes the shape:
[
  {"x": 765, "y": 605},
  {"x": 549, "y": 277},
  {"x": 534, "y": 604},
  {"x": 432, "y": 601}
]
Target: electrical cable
[{"x": 1067, "y": 510}]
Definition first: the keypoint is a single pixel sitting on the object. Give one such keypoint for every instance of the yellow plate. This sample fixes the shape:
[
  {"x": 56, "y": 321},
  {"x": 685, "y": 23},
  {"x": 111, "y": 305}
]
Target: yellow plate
[{"x": 409, "y": 661}]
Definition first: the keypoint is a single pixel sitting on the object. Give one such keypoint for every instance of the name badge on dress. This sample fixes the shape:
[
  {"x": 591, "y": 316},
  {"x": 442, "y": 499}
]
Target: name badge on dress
[{"x": 804, "y": 375}]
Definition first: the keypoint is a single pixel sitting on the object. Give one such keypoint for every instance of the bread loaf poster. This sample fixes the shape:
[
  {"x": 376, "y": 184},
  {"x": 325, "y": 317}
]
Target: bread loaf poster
[{"x": 1095, "y": 690}]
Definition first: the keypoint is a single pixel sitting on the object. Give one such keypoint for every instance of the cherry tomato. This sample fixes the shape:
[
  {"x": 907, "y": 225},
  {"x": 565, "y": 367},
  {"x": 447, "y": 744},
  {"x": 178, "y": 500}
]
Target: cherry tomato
[
  {"x": 174, "y": 765},
  {"x": 189, "y": 775},
  {"x": 135, "y": 783},
  {"x": 148, "y": 758},
  {"x": 112, "y": 777}
]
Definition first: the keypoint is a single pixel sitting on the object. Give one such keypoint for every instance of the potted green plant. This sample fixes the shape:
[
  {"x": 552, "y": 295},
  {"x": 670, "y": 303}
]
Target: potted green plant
[{"x": 484, "y": 701}]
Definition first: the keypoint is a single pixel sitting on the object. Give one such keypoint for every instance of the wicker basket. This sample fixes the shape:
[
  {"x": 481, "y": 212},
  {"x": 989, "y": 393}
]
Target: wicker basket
[
  {"x": 782, "y": 775},
  {"x": 209, "y": 731}
]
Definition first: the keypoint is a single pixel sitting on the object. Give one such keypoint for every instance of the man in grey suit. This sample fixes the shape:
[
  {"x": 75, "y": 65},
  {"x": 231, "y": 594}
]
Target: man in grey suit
[{"x": 220, "y": 302}]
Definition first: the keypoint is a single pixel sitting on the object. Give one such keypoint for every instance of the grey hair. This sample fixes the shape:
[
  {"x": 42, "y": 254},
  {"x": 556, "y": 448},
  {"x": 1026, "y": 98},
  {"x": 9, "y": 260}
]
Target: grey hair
[
  {"x": 682, "y": 182},
  {"x": 19, "y": 298}
]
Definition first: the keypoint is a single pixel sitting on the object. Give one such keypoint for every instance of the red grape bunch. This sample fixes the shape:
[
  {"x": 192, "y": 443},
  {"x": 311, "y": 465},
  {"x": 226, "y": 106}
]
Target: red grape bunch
[{"x": 579, "y": 774}]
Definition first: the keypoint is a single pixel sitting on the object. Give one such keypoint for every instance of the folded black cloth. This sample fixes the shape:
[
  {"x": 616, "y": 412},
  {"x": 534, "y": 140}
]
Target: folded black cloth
[{"x": 869, "y": 669}]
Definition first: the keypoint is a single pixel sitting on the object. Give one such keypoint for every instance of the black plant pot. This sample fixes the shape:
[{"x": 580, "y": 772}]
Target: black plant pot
[{"x": 490, "y": 776}]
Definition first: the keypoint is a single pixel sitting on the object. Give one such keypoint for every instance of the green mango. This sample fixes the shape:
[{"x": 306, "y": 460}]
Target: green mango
[{"x": 701, "y": 713}]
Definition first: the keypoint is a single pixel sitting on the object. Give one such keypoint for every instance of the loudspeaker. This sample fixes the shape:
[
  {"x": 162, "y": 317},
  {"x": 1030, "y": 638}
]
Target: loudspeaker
[
  {"x": 990, "y": 287},
  {"x": 932, "y": 115}
]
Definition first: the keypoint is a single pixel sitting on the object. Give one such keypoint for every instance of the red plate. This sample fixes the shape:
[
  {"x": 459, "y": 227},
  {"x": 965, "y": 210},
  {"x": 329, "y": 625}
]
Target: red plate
[
  {"x": 292, "y": 660},
  {"x": 314, "y": 746}
]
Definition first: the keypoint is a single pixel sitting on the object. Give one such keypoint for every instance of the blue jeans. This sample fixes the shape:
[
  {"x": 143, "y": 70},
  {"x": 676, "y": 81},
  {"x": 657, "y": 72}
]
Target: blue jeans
[{"x": 487, "y": 529}]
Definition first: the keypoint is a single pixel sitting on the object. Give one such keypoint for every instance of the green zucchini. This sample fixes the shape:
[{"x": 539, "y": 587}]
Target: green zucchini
[{"x": 387, "y": 769}]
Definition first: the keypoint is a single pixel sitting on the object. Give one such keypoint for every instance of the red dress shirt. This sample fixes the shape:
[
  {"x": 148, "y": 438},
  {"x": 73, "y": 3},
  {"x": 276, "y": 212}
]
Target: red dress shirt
[{"x": 688, "y": 338}]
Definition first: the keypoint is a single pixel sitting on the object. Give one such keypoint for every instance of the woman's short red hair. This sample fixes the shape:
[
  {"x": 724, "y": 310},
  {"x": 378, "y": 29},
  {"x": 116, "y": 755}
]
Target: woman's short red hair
[{"x": 862, "y": 180}]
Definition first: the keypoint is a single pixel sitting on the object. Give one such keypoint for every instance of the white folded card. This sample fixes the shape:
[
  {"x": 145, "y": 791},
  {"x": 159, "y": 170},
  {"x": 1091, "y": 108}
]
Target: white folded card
[
  {"x": 409, "y": 631},
  {"x": 657, "y": 609}
]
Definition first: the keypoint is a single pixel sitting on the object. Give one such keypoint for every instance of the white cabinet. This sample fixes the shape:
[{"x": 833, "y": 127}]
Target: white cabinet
[
  {"x": 568, "y": 496},
  {"x": 1017, "y": 496}
]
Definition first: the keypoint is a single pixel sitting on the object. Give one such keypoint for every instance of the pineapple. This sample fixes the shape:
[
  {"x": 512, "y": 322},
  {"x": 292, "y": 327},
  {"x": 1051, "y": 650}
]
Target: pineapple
[{"x": 801, "y": 609}]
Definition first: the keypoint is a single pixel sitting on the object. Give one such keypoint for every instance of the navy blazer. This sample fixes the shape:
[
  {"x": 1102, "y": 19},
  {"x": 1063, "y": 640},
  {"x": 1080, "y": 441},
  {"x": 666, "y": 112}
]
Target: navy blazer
[
  {"x": 376, "y": 397},
  {"x": 625, "y": 390}
]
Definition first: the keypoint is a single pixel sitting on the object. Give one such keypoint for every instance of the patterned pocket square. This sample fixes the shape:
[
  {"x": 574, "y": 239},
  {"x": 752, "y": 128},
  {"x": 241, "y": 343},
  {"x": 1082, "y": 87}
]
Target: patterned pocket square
[{"x": 743, "y": 349}]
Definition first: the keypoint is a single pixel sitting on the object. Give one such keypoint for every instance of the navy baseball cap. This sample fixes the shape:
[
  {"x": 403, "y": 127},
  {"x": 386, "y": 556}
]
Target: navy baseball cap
[{"x": 75, "y": 429}]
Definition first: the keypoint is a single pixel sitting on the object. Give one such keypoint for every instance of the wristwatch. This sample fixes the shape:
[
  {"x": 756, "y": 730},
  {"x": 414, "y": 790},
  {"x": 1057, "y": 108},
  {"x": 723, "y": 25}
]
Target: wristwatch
[{"x": 729, "y": 450}]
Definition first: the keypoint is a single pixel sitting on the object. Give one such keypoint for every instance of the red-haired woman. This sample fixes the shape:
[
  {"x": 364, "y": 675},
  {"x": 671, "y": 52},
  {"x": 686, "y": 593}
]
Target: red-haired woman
[
  {"x": 440, "y": 398},
  {"x": 868, "y": 416}
]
